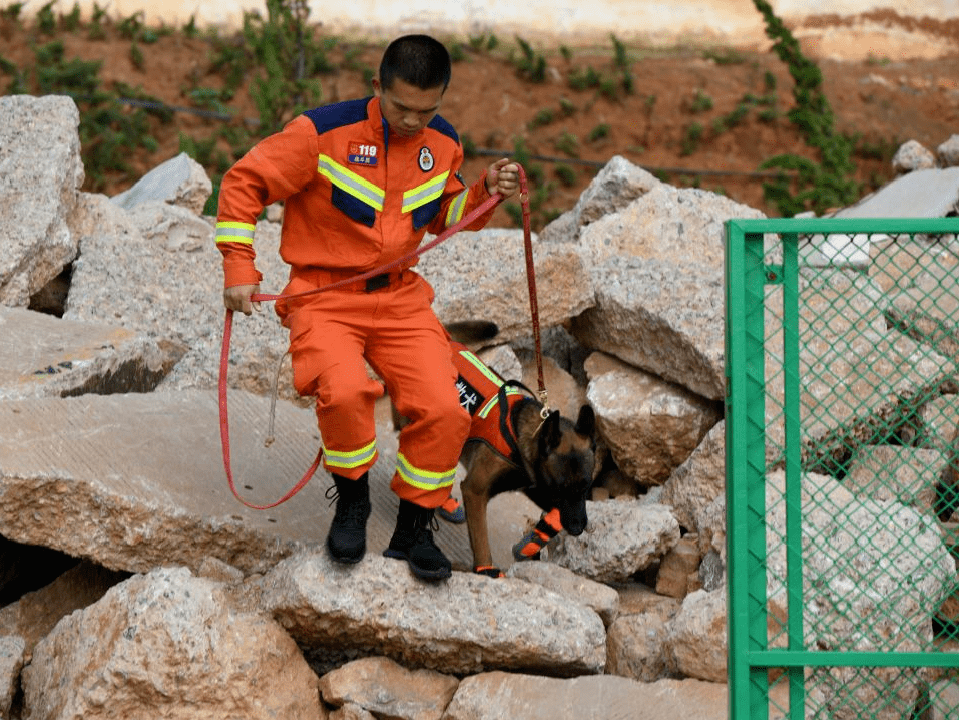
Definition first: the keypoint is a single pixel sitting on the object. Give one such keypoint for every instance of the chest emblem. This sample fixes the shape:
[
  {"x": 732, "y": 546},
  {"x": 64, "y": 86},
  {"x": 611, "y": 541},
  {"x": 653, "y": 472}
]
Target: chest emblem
[
  {"x": 426, "y": 160},
  {"x": 360, "y": 154}
]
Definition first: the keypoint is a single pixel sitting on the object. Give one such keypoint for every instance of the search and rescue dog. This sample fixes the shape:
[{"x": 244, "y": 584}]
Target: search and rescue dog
[{"x": 514, "y": 445}]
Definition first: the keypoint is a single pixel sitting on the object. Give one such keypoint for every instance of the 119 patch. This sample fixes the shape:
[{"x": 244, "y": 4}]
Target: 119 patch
[{"x": 361, "y": 154}]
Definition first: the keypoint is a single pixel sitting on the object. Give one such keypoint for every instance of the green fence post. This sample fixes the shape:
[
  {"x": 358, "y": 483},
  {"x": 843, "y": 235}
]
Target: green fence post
[{"x": 745, "y": 472}]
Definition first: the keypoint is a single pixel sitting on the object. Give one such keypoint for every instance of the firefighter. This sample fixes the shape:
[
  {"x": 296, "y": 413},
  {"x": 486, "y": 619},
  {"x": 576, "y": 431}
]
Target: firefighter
[{"x": 362, "y": 182}]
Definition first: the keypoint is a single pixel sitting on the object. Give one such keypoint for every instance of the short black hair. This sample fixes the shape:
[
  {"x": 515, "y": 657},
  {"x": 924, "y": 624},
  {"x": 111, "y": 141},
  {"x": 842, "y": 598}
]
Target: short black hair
[{"x": 420, "y": 60}]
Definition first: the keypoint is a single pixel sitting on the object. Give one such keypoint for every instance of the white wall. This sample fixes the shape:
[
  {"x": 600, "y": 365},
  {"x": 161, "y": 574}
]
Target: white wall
[{"x": 732, "y": 21}]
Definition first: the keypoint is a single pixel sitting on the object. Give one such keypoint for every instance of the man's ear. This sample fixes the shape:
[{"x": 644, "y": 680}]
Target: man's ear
[{"x": 377, "y": 88}]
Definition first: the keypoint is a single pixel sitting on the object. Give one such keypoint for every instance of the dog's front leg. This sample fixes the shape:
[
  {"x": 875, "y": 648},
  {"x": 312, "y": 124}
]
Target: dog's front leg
[{"x": 475, "y": 488}]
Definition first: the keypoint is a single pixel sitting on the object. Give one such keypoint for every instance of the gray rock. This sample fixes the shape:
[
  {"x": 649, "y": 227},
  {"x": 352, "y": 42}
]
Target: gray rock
[
  {"x": 509, "y": 696},
  {"x": 156, "y": 270},
  {"x": 616, "y": 185},
  {"x": 893, "y": 472},
  {"x": 40, "y": 176},
  {"x": 379, "y": 685},
  {"x": 699, "y": 479},
  {"x": 621, "y": 538},
  {"x": 482, "y": 276},
  {"x": 912, "y": 155},
  {"x": 601, "y": 598},
  {"x": 663, "y": 318},
  {"x": 124, "y": 473},
  {"x": 34, "y": 615},
  {"x": 650, "y": 426},
  {"x": 466, "y": 624},
  {"x": 925, "y": 193},
  {"x": 696, "y": 644},
  {"x": 677, "y": 226},
  {"x": 863, "y": 600},
  {"x": 948, "y": 151},
  {"x": 635, "y": 647},
  {"x": 179, "y": 181},
  {"x": 45, "y": 356},
  {"x": 11, "y": 662},
  {"x": 168, "y": 645}
]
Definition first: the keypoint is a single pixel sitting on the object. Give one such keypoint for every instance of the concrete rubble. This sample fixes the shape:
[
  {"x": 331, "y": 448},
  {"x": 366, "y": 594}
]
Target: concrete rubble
[{"x": 182, "y": 602}]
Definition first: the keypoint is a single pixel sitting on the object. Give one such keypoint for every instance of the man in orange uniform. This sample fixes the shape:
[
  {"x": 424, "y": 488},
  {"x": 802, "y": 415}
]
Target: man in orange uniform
[{"x": 363, "y": 181}]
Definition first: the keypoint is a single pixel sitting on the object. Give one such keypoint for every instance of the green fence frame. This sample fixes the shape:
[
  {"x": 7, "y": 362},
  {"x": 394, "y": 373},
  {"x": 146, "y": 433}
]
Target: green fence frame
[{"x": 750, "y": 270}]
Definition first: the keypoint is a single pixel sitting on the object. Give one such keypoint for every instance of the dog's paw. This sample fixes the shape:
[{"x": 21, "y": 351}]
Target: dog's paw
[{"x": 489, "y": 571}]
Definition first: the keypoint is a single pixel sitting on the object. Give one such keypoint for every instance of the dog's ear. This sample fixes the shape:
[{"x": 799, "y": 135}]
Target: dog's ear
[
  {"x": 550, "y": 434},
  {"x": 586, "y": 421}
]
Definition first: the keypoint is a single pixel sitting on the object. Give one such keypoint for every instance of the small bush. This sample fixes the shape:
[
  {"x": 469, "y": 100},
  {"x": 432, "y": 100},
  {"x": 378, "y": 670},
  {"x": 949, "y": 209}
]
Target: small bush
[
  {"x": 599, "y": 132},
  {"x": 701, "y": 102},
  {"x": 691, "y": 137},
  {"x": 567, "y": 143},
  {"x": 566, "y": 175}
]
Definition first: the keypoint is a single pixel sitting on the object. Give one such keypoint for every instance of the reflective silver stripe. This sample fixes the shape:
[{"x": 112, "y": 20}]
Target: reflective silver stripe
[
  {"x": 427, "y": 192},
  {"x": 423, "y": 479},
  {"x": 457, "y": 207},
  {"x": 351, "y": 183},
  {"x": 235, "y": 232},
  {"x": 491, "y": 403},
  {"x": 355, "y": 458}
]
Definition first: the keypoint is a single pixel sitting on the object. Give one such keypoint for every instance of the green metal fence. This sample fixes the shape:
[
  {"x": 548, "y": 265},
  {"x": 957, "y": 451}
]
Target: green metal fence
[{"x": 842, "y": 498}]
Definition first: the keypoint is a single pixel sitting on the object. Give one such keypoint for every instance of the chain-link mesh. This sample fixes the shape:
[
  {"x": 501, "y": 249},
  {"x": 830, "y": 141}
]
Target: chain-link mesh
[{"x": 843, "y": 468}]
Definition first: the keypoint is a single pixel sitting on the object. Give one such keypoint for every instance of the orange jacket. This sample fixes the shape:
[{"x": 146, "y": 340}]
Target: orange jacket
[{"x": 356, "y": 197}]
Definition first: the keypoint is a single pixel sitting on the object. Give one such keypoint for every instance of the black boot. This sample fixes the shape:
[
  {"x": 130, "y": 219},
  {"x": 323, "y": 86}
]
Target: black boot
[
  {"x": 413, "y": 541},
  {"x": 347, "y": 538}
]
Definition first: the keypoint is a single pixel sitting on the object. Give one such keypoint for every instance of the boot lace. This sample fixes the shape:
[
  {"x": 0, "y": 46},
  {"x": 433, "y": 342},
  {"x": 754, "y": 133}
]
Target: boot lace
[{"x": 352, "y": 513}]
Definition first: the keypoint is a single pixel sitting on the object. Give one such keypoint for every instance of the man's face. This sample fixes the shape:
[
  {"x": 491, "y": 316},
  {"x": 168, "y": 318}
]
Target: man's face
[{"x": 406, "y": 108}]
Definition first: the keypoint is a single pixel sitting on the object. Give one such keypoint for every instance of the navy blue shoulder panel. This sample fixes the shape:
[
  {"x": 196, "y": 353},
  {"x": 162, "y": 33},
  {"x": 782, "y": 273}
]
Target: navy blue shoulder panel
[
  {"x": 330, "y": 117},
  {"x": 440, "y": 125}
]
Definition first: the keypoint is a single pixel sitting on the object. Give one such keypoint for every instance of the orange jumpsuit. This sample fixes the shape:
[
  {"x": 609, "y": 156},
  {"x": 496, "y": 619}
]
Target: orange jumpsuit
[{"x": 357, "y": 198}]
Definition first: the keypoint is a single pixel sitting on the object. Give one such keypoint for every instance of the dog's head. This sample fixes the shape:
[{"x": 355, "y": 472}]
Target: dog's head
[{"x": 565, "y": 466}]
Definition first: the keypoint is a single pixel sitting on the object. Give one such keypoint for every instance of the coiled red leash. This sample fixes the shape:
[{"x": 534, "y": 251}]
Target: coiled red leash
[{"x": 261, "y": 297}]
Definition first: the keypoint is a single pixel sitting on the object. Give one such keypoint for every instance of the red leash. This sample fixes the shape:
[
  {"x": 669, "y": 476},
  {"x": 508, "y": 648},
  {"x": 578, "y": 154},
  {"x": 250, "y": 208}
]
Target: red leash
[{"x": 260, "y": 297}]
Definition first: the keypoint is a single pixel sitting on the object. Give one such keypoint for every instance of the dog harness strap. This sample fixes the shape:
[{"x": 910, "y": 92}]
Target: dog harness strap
[
  {"x": 536, "y": 539},
  {"x": 488, "y": 571},
  {"x": 515, "y": 456}
]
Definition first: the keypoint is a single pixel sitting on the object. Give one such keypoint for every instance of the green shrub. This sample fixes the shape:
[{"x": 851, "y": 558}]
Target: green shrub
[{"x": 599, "y": 132}]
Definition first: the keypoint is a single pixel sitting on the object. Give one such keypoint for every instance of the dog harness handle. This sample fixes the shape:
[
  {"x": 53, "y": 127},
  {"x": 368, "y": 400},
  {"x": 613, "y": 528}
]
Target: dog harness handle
[{"x": 262, "y": 297}]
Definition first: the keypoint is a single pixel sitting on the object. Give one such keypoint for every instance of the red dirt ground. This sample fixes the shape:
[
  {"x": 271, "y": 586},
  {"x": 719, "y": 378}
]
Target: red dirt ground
[{"x": 883, "y": 99}]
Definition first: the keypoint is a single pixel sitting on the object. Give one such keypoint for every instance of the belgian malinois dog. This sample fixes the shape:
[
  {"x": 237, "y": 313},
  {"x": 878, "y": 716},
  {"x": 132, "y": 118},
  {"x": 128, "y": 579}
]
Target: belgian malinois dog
[{"x": 514, "y": 445}]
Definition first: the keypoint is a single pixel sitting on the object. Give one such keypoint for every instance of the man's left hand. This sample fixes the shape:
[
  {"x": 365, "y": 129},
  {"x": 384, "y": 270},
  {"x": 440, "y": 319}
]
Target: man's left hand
[{"x": 502, "y": 177}]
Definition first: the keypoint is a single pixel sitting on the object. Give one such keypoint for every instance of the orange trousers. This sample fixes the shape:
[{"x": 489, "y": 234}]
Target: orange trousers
[{"x": 334, "y": 334}]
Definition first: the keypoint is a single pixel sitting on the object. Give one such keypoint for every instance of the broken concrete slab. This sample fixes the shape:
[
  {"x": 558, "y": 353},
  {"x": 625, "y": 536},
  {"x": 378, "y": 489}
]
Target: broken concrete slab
[
  {"x": 40, "y": 176},
  {"x": 136, "y": 475},
  {"x": 463, "y": 625},
  {"x": 927, "y": 193},
  {"x": 45, "y": 356},
  {"x": 482, "y": 276},
  {"x": 179, "y": 181}
]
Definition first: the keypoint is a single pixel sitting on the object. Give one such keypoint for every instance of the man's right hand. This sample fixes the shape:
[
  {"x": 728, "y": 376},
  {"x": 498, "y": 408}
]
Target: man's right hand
[{"x": 237, "y": 298}]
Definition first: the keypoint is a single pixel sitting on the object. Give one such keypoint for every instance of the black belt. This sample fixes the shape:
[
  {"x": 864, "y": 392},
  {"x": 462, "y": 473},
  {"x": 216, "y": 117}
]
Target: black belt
[{"x": 377, "y": 282}]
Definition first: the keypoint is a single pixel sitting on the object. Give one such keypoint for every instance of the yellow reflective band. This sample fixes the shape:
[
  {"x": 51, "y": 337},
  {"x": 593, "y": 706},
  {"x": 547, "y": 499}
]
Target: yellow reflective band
[
  {"x": 235, "y": 232},
  {"x": 423, "y": 479},
  {"x": 455, "y": 213},
  {"x": 351, "y": 183},
  {"x": 427, "y": 192},
  {"x": 481, "y": 367},
  {"x": 352, "y": 459},
  {"x": 491, "y": 403}
]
